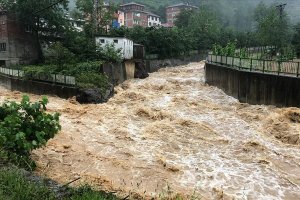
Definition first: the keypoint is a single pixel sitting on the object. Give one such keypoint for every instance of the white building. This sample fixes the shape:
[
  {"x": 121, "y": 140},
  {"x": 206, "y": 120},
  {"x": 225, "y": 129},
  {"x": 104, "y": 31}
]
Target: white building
[
  {"x": 153, "y": 20},
  {"x": 120, "y": 43},
  {"x": 77, "y": 24}
]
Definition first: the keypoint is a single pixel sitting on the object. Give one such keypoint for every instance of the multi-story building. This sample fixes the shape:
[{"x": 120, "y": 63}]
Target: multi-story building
[
  {"x": 134, "y": 15},
  {"x": 18, "y": 45},
  {"x": 153, "y": 20},
  {"x": 173, "y": 11}
]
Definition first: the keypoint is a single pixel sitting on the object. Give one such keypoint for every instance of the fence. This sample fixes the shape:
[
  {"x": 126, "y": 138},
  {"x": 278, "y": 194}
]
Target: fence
[
  {"x": 54, "y": 78},
  {"x": 288, "y": 68}
]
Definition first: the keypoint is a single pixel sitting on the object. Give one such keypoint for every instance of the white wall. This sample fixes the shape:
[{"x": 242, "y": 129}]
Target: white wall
[
  {"x": 153, "y": 21},
  {"x": 120, "y": 43}
]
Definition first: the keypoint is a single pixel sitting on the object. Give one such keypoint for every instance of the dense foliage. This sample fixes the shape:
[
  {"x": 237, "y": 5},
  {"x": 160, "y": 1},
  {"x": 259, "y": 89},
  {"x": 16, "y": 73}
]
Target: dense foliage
[
  {"x": 87, "y": 74},
  {"x": 25, "y": 126}
]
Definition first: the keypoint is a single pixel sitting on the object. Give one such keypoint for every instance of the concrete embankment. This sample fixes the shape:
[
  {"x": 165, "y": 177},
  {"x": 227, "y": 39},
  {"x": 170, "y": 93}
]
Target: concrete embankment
[{"x": 255, "y": 87}]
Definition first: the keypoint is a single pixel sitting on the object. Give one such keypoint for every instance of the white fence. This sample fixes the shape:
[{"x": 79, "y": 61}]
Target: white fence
[
  {"x": 55, "y": 78},
  {"x": 265, "y": 66}
]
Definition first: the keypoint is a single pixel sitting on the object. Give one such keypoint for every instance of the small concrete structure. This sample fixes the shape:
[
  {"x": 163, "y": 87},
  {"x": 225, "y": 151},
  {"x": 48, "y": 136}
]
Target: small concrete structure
[{"x": 120, "y": 43}]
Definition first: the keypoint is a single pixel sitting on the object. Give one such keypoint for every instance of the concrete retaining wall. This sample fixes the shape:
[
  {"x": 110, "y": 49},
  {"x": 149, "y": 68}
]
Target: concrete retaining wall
[
  {"x": 36, "y": 87},
  {"x": 255, "y": 88}
]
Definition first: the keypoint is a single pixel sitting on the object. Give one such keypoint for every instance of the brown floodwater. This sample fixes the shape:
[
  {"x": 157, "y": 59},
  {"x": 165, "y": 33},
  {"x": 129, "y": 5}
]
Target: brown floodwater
[{"x": 171, "y": 134}]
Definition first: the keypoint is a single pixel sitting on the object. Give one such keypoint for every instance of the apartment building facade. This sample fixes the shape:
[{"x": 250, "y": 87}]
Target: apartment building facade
[
  {"x": 17, "y": 42},
  {"x": 173, "y": 11},
  {"x": 135, "y": 14},
  {"x": 153, "y": 20}
]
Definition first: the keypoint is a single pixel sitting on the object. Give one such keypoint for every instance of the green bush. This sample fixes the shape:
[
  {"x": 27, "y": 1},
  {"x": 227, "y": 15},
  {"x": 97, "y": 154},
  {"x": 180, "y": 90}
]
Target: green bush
[
  {"x": 25, "y": 126},
  {"x": 92, "y": 80},
  {"x": 87, "y": 74},
  {"x": 58, "y": 54}
]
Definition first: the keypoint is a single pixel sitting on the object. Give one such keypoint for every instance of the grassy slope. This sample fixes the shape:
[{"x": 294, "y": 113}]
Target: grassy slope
[{"x": 15, "y": 186}]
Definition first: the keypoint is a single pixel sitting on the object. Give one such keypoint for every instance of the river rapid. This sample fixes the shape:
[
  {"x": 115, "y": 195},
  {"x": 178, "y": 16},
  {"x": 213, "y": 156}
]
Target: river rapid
[{"x": 173, "y": 135}]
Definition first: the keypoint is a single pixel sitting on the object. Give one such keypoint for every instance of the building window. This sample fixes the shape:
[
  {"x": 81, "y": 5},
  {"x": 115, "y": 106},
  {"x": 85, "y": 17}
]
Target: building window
[
  {"x": 116, "y": 41},
  {"x": 102, "y": 41},
  {"x": 2, "y": 46},
  {"x": 137, "y": 14},
  {"x": 149, "y": 23},
  {"x": 2, "y": 62}
]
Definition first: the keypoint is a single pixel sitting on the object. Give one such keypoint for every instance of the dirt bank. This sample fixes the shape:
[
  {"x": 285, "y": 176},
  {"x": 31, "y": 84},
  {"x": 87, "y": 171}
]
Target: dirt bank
[{"x": 173, "y": 134}]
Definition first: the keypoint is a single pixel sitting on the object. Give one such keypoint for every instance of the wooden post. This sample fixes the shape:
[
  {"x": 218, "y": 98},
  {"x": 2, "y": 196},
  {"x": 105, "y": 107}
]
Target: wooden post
[
  {"x": 264, "y": 62},
  {"x": 298, "y": 69},
  {"x": 251, "y": 64}
]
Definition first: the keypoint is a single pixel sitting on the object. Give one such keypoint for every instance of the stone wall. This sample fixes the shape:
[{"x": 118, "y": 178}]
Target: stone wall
[{"x": 255, "y": 88}]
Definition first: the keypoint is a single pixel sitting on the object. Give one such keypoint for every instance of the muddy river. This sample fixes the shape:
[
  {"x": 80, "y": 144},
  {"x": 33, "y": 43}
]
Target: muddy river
[{"x": 171, "y": 134}]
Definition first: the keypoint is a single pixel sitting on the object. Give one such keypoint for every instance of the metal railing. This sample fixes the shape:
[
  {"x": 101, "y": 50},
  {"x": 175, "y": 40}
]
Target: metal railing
[
  {"x": 54, "y": 78},
  {"x": 287, "y": 68}
]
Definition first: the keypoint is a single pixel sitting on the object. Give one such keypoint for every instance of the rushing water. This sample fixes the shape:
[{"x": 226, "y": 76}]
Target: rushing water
[{"x": 173, "y": 134}]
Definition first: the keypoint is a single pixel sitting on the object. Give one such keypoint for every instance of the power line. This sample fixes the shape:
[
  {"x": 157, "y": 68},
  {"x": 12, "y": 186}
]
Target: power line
[{"x": 48, "y": 7}]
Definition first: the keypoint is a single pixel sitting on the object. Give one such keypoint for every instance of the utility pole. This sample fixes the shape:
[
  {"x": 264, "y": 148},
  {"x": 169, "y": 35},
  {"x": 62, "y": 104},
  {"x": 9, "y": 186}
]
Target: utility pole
[{"x": 281, "y": 9}]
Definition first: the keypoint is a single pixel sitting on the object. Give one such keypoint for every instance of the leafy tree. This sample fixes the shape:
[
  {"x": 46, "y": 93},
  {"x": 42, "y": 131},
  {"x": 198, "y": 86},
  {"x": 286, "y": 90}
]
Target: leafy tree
[
  {"x": 296, "y": 39},
  {"x": 272, "y": 29},
  {"x": 183, "y": 19},
  {"x": 97, "y": 13},
  {"x": 58, "y": 54},
  {"x": 205, "y": 28}
]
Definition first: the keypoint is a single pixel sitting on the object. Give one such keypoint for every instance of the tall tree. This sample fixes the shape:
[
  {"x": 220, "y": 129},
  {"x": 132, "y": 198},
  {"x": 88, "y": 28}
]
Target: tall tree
[
  {"x": 98, "y": 14},
  {"x": 296, "y": 40},
  {"x": 272, "y": 28}
]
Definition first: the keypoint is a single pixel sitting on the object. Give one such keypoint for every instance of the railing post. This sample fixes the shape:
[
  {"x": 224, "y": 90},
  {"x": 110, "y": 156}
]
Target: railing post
[
  {"x": 232, "y": 62},
  {"x": 298, "y": 69},
  {"x": 264, "y": 66},
  {"x": 279, "y": 67},
  {"x": 240, "y": 63},
  {"x": 250, "y": 64},
  {"x": 65, "y": 79},
  {"x": 221, "y": 59},
  {"x": 226, "y": 60}
]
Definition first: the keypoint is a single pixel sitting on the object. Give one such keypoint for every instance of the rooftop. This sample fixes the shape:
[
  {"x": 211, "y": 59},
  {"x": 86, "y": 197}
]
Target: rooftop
[
  {"x": 152, "y": 14},
  {"x": 132, "y": 3},
  {"x": 182, "y": 5}
]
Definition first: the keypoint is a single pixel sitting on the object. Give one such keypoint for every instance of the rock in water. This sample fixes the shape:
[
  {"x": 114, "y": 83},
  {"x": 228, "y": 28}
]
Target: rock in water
[{"x": 140, "y": 70}]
